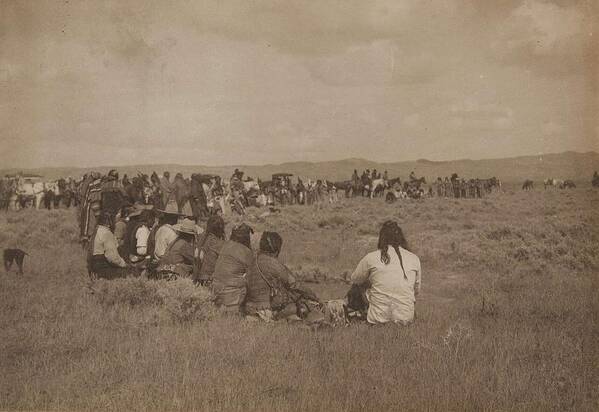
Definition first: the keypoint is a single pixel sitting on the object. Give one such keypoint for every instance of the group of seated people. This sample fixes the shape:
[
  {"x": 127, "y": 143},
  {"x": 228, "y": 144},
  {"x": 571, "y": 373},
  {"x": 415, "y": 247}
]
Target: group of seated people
[{"x": 255, "y": 284}]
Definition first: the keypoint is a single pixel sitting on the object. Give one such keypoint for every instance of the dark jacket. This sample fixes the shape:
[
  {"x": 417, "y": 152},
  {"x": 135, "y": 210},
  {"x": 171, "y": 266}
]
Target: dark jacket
[
  {"x": 180, "y": 252},
  {"x": 271, "y": 285},
  {"x": 210, "y": 249},
  {"x": 229, "y": 279}
]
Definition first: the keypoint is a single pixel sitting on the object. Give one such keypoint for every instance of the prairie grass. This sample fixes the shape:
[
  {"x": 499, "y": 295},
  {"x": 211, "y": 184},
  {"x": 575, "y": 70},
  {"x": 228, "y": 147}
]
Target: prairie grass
[{"x": 507, "y": 319}]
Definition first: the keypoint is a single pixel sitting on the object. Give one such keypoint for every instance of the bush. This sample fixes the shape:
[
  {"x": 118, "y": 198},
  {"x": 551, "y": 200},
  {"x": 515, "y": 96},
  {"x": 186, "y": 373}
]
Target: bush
[
  {"x": 182, "y": 300},
  {"x": 130, "y": 291},
  {"x": 185, "y": 301},
  {"x": 332, "y": 221}
]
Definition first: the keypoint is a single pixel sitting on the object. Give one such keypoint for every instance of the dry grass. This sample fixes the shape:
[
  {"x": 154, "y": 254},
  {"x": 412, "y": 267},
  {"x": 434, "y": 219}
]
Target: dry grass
[{"x": 507, "y": 320}]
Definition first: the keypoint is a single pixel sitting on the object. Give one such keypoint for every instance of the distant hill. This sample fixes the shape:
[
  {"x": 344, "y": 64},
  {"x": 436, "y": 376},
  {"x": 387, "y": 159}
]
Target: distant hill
[{"x": 567, "y": 165}]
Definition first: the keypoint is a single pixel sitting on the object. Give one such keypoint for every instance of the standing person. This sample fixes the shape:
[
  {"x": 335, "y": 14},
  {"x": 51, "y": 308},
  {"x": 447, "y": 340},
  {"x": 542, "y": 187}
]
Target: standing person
[
  {"x": 104, "y": 260},
  {"x": 272, "y": 290},
  {"x": 112, "y": 193},
  {"x": 391, "y": 277},
  {"x": 447, "y": 188},
  {"x": 209, "y": 248},
  {"x": 91, "y": 206},
  {"x": 199, "y": 203},
  {"x": 229, "y": 279},
  {"x": 167, "y": 189}
]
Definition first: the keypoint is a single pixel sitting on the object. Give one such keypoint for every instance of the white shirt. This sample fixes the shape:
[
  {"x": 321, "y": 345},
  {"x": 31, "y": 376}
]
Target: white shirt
[
  {"x": 105, "y": 244},
  {"x": 391, "y": 296},
  {"x": 141, "y": 244},
  {"x": 141, "y": 237},
  {"x": 165, "y": 235}
]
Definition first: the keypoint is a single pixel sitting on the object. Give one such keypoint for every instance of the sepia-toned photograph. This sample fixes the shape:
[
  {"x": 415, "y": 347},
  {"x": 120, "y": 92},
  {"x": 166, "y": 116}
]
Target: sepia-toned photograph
[{"x": 284, "y": 205}]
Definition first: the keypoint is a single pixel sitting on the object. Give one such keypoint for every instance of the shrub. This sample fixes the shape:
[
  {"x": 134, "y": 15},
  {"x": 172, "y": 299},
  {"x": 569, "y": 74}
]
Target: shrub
[
  {"x": 130, "y": 291},
  {"x": 332, "y": 221},
  {"x": 181, "y": 299},
  {"x": 185, "y": 301}
]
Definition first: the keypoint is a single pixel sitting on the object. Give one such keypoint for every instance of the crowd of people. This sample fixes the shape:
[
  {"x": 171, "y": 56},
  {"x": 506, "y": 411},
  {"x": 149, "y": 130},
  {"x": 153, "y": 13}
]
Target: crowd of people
[
  {"x": 141, "y": 240},
  {"x": 201, "y": 195}
]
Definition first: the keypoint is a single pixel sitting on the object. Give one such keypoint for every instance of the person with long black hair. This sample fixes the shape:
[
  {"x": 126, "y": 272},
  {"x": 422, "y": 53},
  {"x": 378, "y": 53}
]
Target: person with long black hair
[
  {"x": 391, "y": 276},
  {"x": 208, "y": 250},
  {"x": 229, "y": 282},
  {"x": 272, "y": 291}
]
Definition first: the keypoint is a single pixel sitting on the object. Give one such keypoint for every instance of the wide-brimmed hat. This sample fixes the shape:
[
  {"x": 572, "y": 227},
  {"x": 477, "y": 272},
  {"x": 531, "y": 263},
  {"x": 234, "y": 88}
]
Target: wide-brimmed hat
[
  {"x": 138, "y": 209},
  {"x": 186, "y": 226},
  {"x": 169, "y": 212}
]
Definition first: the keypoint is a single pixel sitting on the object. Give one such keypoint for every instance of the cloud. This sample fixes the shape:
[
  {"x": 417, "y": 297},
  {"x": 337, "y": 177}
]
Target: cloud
[
  {"x": 471, "y": 113},
  {"x": 226, "y": 82},
  {"x": 546, "y": 37}
]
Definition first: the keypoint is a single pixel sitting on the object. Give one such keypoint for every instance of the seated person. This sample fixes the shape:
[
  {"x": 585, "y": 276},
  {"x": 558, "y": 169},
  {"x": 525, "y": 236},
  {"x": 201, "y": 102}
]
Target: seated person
[
  {"x": 209, "y": 247},
  {"x": 391, "y": 276},
  {"x": 138, "y": 232},
  {"x": 120, "y": 226},
  {"x": 272, "y": 291},
  {"x": 178, "y": 259},
  {"x": 229, "y": 279},
  {"x": 165, "y": 233},
  {"x": 104, "y": 260}
]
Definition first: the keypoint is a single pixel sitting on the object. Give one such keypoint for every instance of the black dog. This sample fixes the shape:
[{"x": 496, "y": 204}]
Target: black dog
[{"x": 14, "y": 255}]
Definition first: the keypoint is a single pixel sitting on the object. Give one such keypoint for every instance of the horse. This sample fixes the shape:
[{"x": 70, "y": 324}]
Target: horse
[
  {"x": 528, "y": 185},
  {"x": 30, "y": 193},
  {"x": 490, "y": 184},
  {"x": 553, "y": 182},
  {"x": 347, "y": 186},
  {"x": 568, "y": 184},
  {"x": 249, "y": 185},
  {"x": 595, "y": 181},
  {"x": 377, "y": 186}
]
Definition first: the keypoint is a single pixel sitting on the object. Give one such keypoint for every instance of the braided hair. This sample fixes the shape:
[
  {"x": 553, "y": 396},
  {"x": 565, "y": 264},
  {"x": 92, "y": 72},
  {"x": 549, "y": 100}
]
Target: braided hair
[
  {"x": 271, "y": 242},
  {"x": 392, "y": 235},
  {"x": 241, "y": 234},
  {"x": 216, "y": 226}
]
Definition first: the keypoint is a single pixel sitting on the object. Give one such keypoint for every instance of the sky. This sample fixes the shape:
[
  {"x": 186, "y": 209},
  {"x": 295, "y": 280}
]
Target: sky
[{"x": 89, "y": 83}]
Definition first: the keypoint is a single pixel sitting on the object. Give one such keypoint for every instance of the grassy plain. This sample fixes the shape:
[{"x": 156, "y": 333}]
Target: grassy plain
[{"x": 507, "y": 319}]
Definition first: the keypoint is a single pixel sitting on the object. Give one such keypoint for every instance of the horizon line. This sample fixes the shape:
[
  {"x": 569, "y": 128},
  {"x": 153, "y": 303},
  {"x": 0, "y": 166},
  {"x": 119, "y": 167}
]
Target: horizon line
[{"x": 295, "y": 162}]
